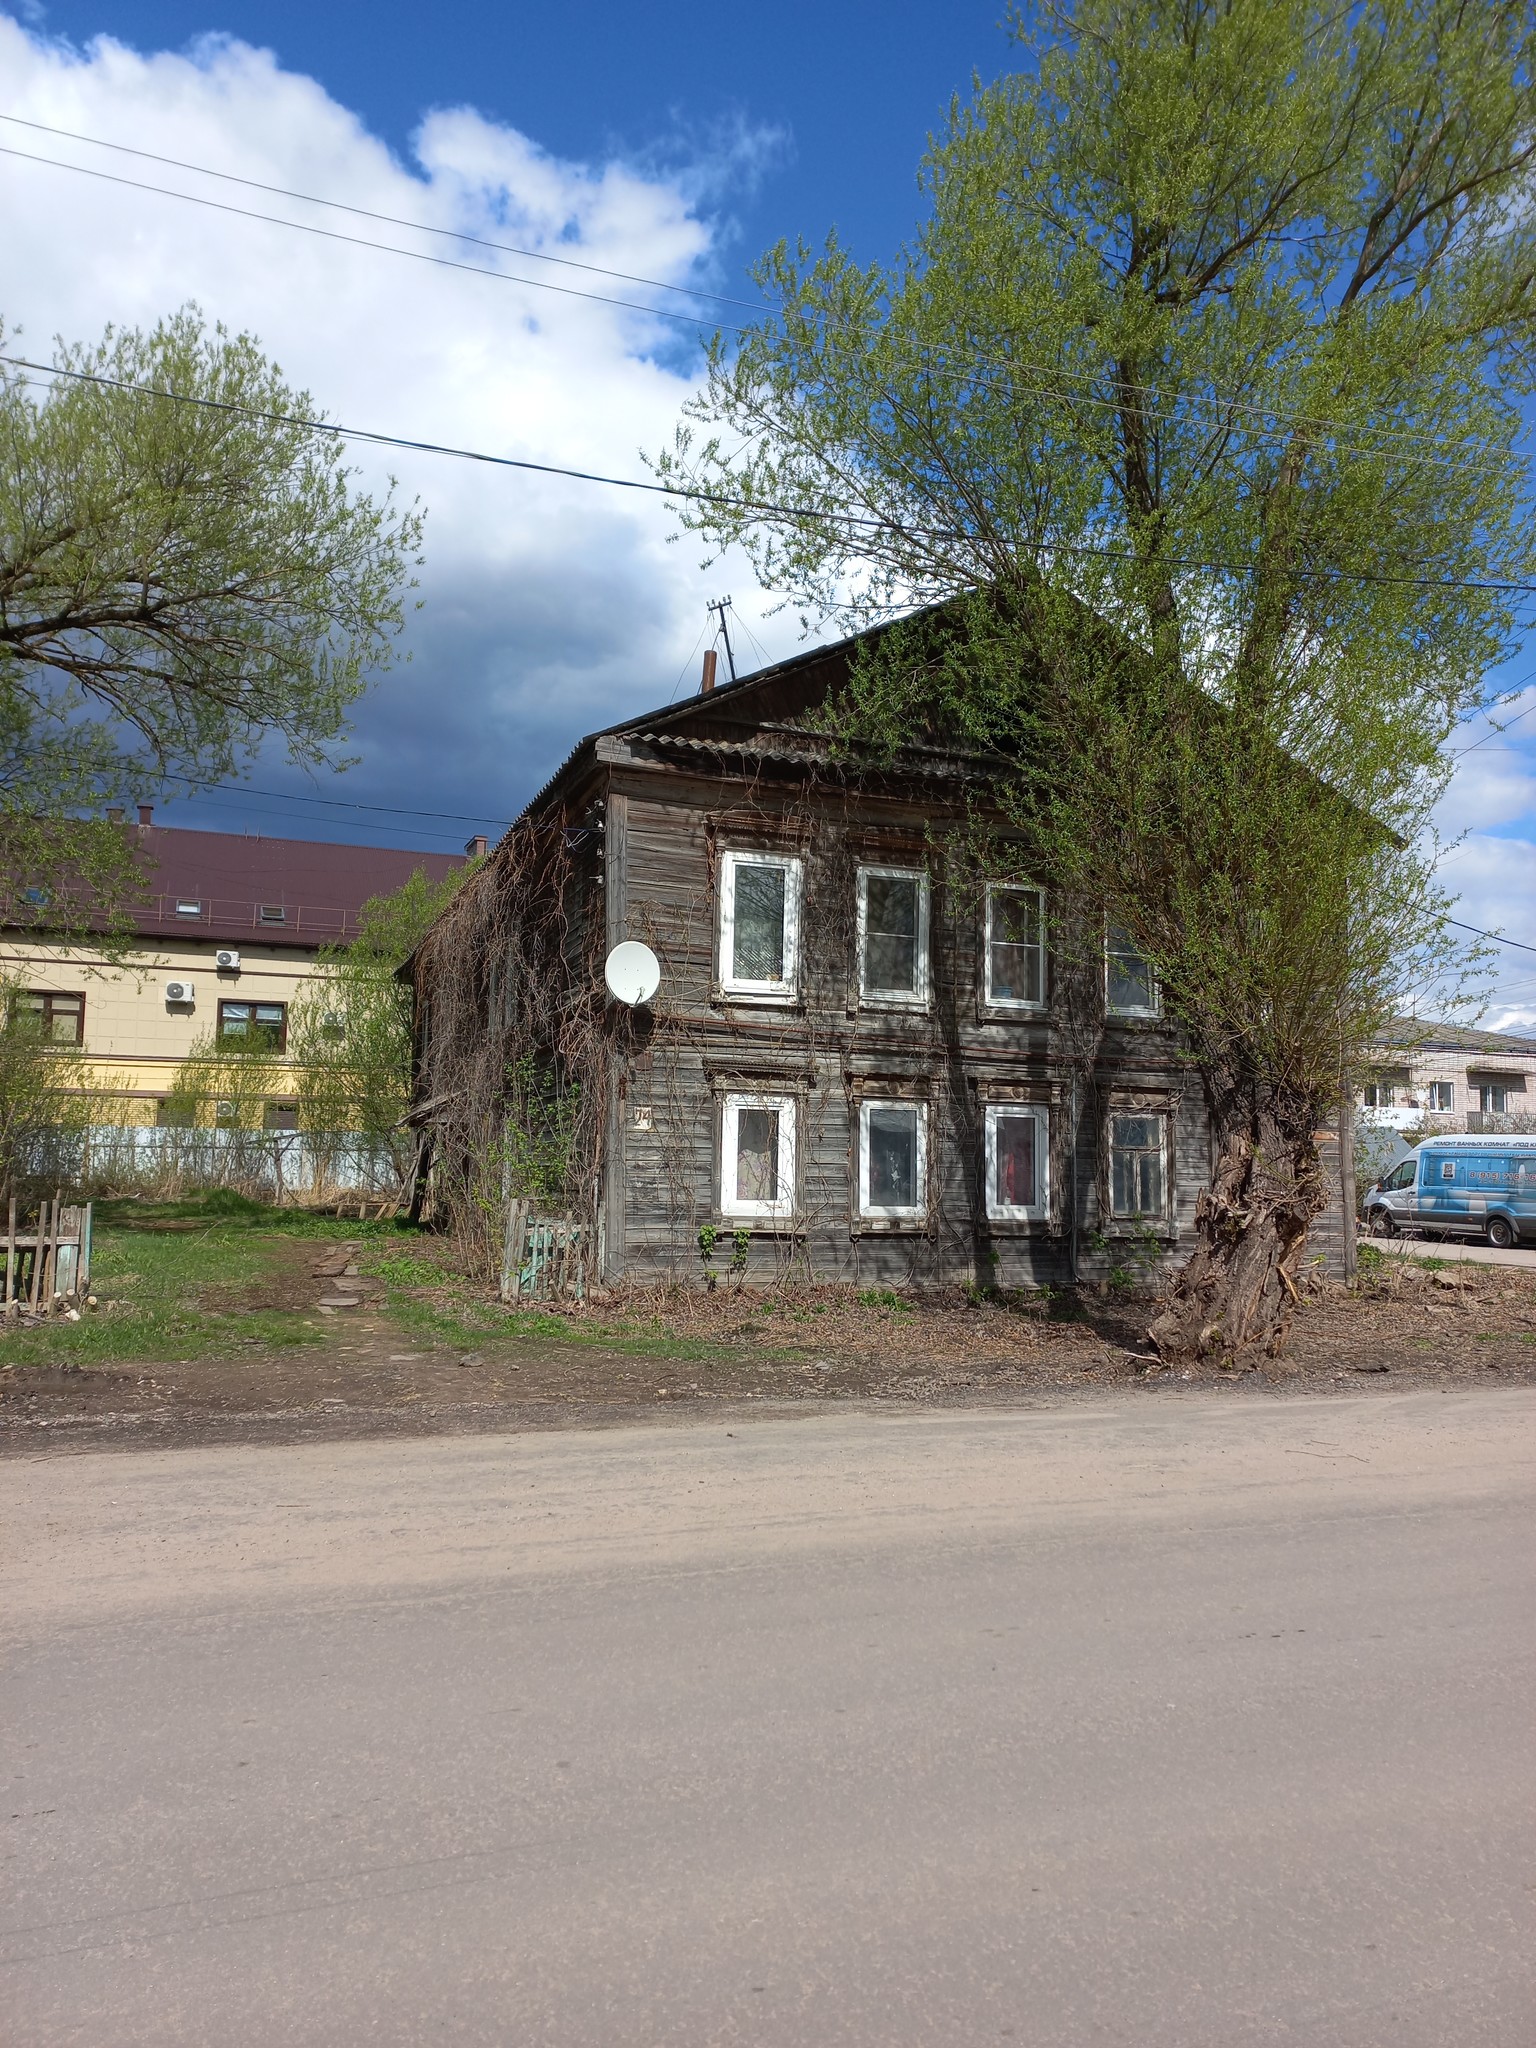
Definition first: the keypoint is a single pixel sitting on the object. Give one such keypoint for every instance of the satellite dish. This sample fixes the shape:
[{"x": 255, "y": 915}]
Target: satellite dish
[{"x": 632, "y": 972}]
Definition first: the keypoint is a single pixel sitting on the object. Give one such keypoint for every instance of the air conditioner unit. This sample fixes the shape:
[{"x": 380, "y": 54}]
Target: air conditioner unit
[
  {"x": 178, "y": 992},
  {"x": 227, "y": 959}
]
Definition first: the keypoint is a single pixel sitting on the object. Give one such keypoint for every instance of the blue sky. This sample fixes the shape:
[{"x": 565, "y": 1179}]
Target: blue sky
[{"x": 677, "y": 142}]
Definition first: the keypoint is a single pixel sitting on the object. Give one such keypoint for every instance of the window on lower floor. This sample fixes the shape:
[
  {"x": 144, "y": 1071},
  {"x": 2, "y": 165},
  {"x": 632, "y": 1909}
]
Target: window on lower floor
[
  {"x": 280, "y": 1116},
  {"x": 893, "y": 1159},
  {"x": 254, "y": 1025},
  {"x": 56, "y": 1019},
  {"x": 1138, "y": 1165},
  {"x": 1017, "y": 1161},
  {"x": 1130, "y": 986},
  {"x": 175, "y": 1113},
  {"x": 757, "y": 1157},
  {"x": 1442, "y": 1095},
  {"x": 893, "y": 935},
  {"x": 1015, "y": 962}
]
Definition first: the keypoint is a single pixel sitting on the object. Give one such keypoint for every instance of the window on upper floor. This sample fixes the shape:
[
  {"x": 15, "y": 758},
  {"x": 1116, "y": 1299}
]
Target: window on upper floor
[
  {"x": 249, "y": 1026},
  {"x": 273, "y": 913},
  {"x": 760, "y": 925},
  {"x": 1380, "y": 1095},
  {"x": 893, "y": 1160},
  {"x": 56, "y": 1019},
  {"x": 1017, "y": 1161},
  {"x": 1493, "y": 1098},
  {"x": 1138, "y": 1164},
  {"x": 893, "y": 935},
  {"x": 1015, "y": 947},
  {"x": 189, "y": 906},
  {"x": 1442, "y": 1096},
  {"x": 757, "y": 1157},
  {"x": 1130, "y": 986}
]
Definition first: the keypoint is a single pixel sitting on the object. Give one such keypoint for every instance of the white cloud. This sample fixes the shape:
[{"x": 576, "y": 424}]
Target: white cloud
[{"x": 551, "y": 606}]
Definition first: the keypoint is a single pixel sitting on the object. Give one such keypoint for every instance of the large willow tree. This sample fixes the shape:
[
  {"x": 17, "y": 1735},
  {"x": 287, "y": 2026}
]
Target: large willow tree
[
  {"x": 1198, "y": 395},
  {"x": 187, "y": 570}
]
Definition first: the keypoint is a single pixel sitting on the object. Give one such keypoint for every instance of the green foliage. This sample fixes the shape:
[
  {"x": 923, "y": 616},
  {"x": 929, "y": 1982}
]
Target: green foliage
[
  {"x": 225, "y": 1084},
  {"x": 46, "y": 1098},
  {"x": 883, "y": 1297},
  {"x": 349, "y": 1033},
  {"x": 741, "y": 1246},
  {"x": 709, "y": 1237},
  {"x": 542, "y": 1108},
  {"x": 1198, "y": 397},
  {"x": 164, "y": 1295},
  {"x": 182, "y": 582}
]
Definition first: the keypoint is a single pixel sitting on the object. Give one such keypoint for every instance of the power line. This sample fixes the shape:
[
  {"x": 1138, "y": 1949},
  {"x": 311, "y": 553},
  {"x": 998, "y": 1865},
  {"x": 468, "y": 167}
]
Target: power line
[
  {"x": 1499, "y": 730},
  {"x": 339, "y": 802},
  {"x": 698, "y": 495},
  {"x": 1497, "y": 937},
  {"x": 1046, "y": 379},
  {"x": 287, "y": 818},
  {"x": 367, "y": 213},
  {"x": 304, "y": 227}
]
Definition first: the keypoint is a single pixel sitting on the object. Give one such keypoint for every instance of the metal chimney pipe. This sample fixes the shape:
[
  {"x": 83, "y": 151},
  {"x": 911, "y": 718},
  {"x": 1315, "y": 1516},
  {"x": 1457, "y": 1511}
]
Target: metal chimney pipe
[{"x": 710, "y": 658}]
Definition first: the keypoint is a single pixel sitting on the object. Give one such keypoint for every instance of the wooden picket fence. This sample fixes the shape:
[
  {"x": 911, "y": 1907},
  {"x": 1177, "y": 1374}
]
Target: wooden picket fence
[
  {"x": 544, "y": 1258},
  {"x": 48, "y": 1259}
]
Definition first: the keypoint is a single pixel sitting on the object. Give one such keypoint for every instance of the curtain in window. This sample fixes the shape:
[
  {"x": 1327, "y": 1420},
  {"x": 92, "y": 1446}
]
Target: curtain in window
[{"x": 757, "y": 952}]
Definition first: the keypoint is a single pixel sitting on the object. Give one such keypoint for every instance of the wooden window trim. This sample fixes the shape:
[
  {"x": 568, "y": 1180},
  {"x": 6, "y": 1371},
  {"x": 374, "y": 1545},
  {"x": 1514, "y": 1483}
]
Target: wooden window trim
[{"x": 1161, "y": 1221}]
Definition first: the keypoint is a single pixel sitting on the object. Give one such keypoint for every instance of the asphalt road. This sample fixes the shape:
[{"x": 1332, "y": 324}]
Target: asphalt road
[{"x": 1181, "y": 1721}]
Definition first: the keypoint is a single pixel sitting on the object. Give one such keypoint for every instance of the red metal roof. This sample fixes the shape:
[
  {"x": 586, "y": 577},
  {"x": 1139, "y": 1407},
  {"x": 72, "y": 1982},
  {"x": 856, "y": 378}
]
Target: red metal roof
[{"x": 232, "y": 878}]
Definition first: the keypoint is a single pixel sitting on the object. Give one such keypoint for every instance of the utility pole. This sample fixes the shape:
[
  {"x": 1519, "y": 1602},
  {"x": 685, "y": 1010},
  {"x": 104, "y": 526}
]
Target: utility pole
[{"x": 722, "y": 605}]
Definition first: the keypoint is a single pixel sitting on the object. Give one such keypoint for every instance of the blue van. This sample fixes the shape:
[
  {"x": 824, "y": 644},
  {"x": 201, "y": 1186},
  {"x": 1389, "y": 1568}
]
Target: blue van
[{"x": 1455, "y": 1186}]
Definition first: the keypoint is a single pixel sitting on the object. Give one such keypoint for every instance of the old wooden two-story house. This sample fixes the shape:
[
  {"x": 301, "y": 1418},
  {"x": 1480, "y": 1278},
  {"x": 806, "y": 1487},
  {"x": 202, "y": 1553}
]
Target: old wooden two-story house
[{"x": 856, "y": 1059}]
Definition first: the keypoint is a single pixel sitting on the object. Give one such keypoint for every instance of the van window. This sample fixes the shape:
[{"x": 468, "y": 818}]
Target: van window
[{"x": 1400, "y": 1176}]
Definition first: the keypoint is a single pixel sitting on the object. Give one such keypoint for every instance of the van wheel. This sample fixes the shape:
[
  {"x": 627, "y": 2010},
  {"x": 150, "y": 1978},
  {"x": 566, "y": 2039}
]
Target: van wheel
[
  {"x": 1501, "y": 1233},
  {"x": 1382, "y": 1223}
]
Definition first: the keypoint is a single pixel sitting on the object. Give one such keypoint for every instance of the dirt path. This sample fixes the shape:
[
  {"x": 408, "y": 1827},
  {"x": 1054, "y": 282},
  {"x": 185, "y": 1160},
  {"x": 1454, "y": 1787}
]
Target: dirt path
[{"x": 375, "y": 1360}]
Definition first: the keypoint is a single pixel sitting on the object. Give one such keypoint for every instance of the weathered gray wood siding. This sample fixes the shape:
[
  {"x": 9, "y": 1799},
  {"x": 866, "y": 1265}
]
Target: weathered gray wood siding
[{"x": 826, "y": 1049}]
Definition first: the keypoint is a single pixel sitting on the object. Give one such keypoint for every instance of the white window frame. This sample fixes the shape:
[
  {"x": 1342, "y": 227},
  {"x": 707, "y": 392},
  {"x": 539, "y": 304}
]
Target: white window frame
[
  {"x": 782, "y": 991},
  {"x": 1039, "y": 1210},
  {"x": 997, "y": 1002},
  {"x": 1154, "y": 1009},
  {"x": 731, "y": 1204},
  {"x": 1163, "y": 1120},
  {"x": 916, "y": 1212},
  {"x": 1437, "y": 1089},
  {"x": 895, "y": 998}
]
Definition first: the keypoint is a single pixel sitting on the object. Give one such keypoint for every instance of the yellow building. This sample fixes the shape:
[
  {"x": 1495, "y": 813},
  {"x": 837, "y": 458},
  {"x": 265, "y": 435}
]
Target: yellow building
[{"x": 227, "y": 936}]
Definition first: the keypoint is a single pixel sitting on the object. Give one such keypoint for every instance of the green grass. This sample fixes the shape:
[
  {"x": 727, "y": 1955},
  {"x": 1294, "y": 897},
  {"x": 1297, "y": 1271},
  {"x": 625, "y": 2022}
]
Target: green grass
[{"x": 151, "y": 1282}]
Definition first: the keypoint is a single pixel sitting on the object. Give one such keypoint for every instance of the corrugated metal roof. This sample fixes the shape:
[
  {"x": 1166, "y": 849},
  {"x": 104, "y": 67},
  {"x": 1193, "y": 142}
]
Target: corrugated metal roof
[{"x": 319, "y": 887}]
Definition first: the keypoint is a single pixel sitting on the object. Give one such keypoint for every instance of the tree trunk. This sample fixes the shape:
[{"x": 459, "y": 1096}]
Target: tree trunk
[{"x": 1237, "y": 1292}]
